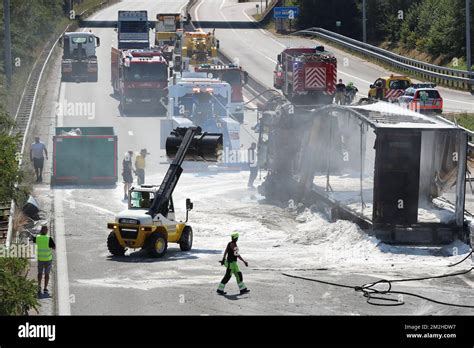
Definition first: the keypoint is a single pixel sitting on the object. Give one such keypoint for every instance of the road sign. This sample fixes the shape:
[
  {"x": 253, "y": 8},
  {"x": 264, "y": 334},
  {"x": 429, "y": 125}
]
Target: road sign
[{"x": 290, "y": 12}]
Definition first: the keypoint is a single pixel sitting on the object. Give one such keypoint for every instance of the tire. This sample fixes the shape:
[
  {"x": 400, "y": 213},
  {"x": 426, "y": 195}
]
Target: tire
[
  {"x": 157, "y": 244},
  {"x": 186, "y": 242},
  {"x": 114, "y": 246}
]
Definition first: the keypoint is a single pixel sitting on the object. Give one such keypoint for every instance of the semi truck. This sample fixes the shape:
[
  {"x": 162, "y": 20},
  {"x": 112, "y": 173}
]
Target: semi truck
[
  {"x": 79, "y": 60},
  {"x": 133, "y": 29},
  {"x": 306, "y": 75},
  {"x": 139, "y": 77}
]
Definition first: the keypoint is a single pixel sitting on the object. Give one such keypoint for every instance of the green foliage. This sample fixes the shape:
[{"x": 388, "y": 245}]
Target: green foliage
[
  {"x": 17, "y": 293},
  {"x": 9, "y": 170},
  {"x": 435, "y": 27}
]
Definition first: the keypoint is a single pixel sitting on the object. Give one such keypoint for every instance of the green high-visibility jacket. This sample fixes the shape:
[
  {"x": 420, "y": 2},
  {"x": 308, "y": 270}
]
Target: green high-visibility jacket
[{"x": 44, "y": 252}]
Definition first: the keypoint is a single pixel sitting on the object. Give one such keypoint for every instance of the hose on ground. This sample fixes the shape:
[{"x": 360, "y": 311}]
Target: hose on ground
[{"x": 369, "y": 290}]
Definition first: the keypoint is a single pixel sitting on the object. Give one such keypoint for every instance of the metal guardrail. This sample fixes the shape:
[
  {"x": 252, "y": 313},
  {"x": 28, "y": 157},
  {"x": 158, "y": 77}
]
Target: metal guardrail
[
  {"x": 24, "y": 112},
  {"x": 441, "y": 75}
]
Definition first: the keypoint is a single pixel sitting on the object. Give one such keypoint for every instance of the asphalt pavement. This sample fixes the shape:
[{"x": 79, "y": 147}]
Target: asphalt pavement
[{"x": 92, "y": 282}]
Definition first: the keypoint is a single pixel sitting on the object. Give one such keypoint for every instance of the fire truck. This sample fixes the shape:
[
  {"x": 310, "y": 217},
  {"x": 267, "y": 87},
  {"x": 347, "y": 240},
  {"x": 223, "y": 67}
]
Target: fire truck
[
  {"x": 139, "y": 77},
  {"x": 236, "y": 78},
  {"x": 306, "y": 75},
  {"x": 133, "y": 29}
]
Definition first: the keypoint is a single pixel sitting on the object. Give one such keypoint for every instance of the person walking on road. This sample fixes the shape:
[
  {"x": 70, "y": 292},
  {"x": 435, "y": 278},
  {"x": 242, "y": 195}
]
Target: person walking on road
[
  {"x": 37, "y": 150},
  {"x": 232, "y": 254},
  {"x": 253, "y": 165},
  {"x": 44, "y": 251},
  {"x": 127, "y": 173},
  {"x": 340, "y": 93},
  {"x": 140, "y": 166}
]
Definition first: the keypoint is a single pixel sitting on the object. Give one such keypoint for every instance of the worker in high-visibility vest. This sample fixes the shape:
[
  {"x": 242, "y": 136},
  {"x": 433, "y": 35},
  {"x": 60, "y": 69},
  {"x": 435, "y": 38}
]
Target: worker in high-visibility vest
[
  {"x": 232, "y": 254},
  {"x": 44, "y": 251}
]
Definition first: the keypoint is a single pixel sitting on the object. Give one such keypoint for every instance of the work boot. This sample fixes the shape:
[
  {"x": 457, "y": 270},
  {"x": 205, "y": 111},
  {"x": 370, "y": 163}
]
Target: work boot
[
  {"x": 221, "y": 292},
  {"x": 244, "y": 291}
]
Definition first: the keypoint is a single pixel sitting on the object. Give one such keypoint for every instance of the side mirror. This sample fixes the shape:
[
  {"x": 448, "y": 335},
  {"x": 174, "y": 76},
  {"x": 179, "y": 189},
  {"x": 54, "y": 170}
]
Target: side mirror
[
  {"x": 189, "y": 204},
  {"x": 98, "y": 41},
  {"x": 246, "y": 77},
  {"x": 279, "y": 58},
  {"x": 171, "y": 72},
  {"x": 218, "y": 45}
]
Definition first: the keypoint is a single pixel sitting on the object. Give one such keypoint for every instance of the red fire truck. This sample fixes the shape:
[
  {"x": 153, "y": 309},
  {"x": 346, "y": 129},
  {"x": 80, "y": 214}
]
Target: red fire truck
[
  {"x": 306, "y": 75},
  {"x": 139, "y": 77},
  {"x": 236, "y": 78}
]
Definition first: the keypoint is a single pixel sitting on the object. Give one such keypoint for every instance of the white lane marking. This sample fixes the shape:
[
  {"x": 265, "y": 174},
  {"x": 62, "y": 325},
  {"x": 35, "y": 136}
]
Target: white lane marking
[
  {"x": 354, "y": 77},
  {"x": 458, "y": 101},
  {"x": 263, "y": 31},
  {"x": 130, "y": 133},
  {"x": 90, "y": 206},
  {"x": 196, "y": 10},
  {"x": 236, "y": 33},
  {"x": 61, "y": 101},
  {"x": 64, "y": 306}
]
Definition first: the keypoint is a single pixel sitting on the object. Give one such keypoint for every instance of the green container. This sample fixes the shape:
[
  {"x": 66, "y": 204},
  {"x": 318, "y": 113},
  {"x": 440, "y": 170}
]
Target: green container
[{"x": 88, "y": 158}]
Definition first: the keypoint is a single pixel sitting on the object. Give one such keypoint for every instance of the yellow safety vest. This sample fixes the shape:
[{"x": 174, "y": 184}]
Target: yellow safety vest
[
  {"x": 140, "y": 162},
  {"x": 44, "y": 252}
]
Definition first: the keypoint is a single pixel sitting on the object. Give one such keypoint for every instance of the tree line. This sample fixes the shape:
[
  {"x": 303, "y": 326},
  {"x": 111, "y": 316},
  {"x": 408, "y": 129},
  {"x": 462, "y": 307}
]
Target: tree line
[{"x": 434, "y": 27}]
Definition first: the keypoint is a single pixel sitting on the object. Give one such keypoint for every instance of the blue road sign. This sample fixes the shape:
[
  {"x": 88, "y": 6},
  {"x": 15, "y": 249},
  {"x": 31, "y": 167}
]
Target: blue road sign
[{"x": 290, "y": 12}]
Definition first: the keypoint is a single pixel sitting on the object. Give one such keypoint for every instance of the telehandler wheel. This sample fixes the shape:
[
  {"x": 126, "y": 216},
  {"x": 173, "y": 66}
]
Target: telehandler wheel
[
  {"x": 186, "y": 242},
  {"x": 114, "y": 246},
  {"x": 157, "y": 245}
]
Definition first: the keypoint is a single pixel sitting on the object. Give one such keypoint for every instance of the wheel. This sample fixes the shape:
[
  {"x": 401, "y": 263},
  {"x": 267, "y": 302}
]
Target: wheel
[
  {"x": 186, "y": 242},
  {"x": 157, "y": 245},
  {"x": 114, "y": 246}
]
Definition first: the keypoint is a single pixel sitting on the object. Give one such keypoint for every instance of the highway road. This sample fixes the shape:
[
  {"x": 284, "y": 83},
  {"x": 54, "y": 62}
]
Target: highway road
[
  {"x": 273, "y": 238},
  {"x": 257, "y": 51}
]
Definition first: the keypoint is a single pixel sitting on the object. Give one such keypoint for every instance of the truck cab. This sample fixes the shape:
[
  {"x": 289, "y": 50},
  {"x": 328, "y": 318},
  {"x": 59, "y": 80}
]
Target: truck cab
[
  {"x": 133, "y": 29},
  {"x": 236, "y": 78},
  {"x": 389, "y": 88},
  {"x": 79, "y": 60},
  {"x": 206, "y": 102},
  {"x": 139, "y": 77}
]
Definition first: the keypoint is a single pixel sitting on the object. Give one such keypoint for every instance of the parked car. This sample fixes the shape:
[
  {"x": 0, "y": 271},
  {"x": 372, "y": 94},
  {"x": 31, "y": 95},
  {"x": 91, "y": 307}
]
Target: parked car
[{"x": 423, "y": 98}]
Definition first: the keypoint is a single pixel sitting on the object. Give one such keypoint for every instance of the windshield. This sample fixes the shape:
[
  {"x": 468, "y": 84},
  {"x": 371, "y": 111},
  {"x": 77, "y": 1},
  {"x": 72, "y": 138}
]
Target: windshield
[
  {"x": 79, "y": 40},
  {"x": 399, "y": 84},
  {"x": 133, "y": 27},
  {"x": 428, "y": 94},
  {"x": 141, "y": 200},
  {"x": 146, "y": 72}
]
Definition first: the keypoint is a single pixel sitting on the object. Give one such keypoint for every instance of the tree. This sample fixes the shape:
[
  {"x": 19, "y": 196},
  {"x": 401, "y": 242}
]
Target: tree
[{"x": 10, "y": 173}]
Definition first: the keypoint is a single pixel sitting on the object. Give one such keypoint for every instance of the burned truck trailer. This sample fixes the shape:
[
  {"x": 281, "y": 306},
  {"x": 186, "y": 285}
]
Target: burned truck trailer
[{"x": 399, "y": 174}]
